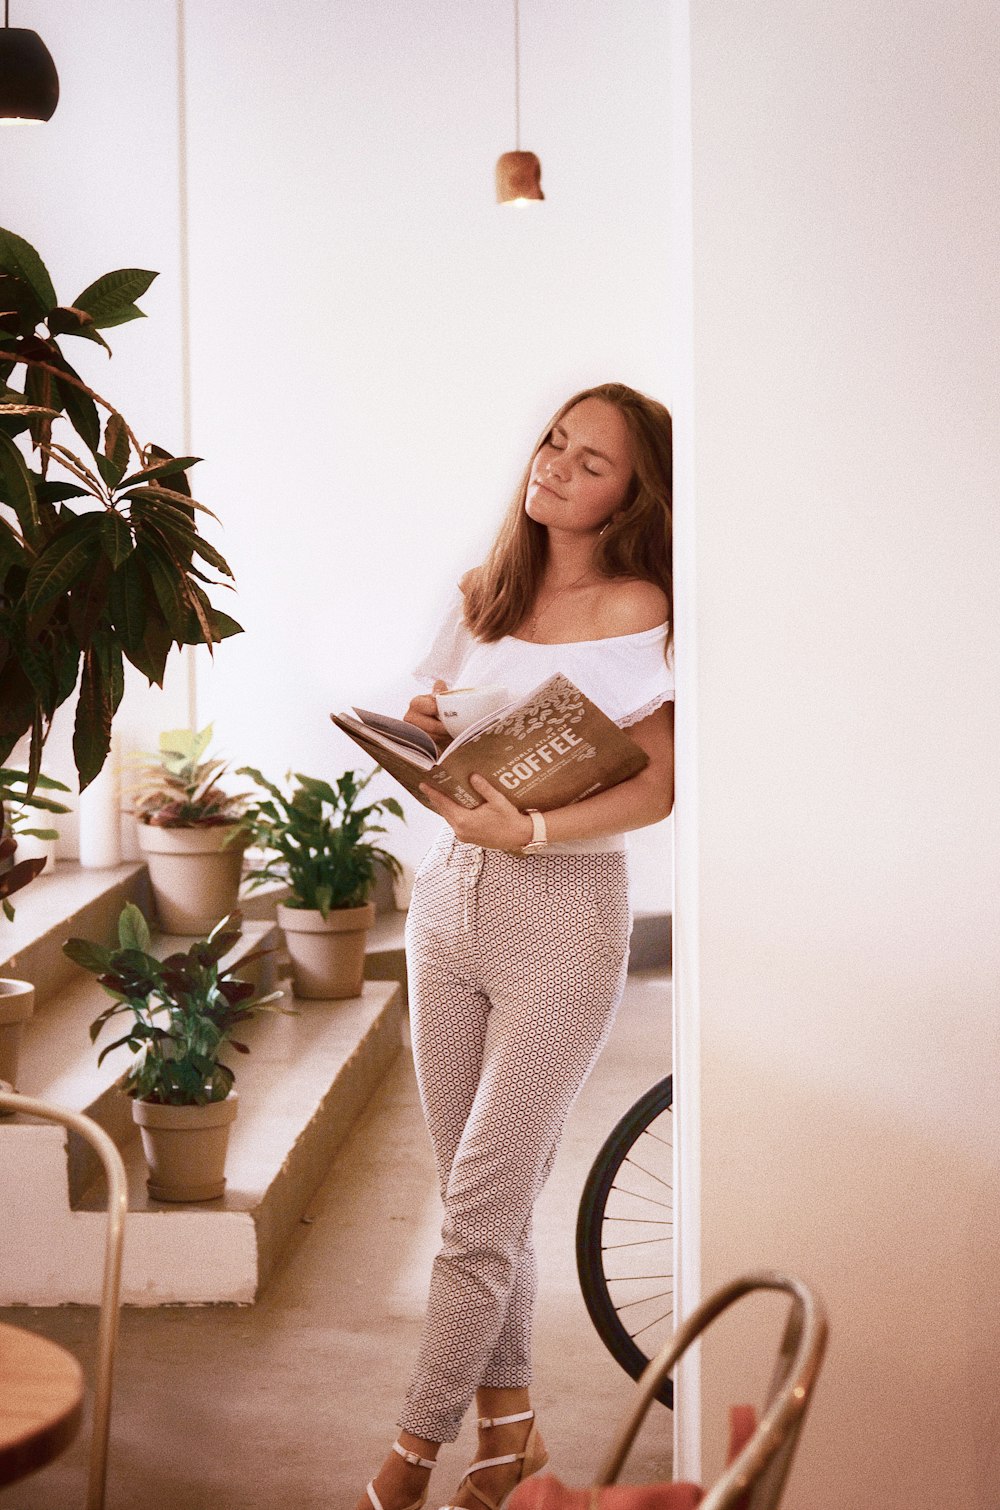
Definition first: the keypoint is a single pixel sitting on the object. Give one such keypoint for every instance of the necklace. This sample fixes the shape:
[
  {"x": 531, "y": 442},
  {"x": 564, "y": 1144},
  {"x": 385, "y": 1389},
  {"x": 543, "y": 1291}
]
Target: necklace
[{"x": 534, "y": 618}]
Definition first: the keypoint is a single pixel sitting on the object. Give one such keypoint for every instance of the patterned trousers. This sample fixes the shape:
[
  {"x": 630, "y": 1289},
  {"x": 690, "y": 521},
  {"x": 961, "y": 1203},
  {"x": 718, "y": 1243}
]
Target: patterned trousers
[{"x": 516, "y": 966}]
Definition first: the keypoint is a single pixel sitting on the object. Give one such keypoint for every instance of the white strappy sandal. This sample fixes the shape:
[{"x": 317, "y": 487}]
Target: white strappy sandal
[
  {"x": 531, "y": 1459},
  {"x": 415, "y": 1461}
]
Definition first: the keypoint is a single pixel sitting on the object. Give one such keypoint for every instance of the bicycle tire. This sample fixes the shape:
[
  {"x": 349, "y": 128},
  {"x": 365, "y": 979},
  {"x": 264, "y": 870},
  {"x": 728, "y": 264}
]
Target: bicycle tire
[{"x": 594, "y": 1244}]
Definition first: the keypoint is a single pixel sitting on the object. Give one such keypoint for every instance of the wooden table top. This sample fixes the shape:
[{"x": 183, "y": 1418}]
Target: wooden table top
[{"x": 41, "y": 1400}]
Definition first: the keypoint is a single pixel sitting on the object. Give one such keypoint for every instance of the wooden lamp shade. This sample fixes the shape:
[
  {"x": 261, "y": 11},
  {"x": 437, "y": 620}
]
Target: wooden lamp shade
[{"x": 519, "y": 177}]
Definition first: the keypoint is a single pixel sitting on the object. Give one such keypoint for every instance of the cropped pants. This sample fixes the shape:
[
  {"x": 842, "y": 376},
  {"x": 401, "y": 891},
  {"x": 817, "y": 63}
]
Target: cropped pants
[{"x": 516, "y": 966}]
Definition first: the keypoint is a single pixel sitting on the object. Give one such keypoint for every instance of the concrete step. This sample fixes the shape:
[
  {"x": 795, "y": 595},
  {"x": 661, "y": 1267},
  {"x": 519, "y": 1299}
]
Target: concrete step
[
  {"x": 66, "y": 902},
  {"x": 301, "y": 1087}
]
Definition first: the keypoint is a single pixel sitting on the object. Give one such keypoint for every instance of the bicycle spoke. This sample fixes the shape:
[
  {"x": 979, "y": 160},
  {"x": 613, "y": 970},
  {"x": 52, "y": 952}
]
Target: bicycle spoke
[
  {"x": 635, "y": 1195},
  {"x": 627, "y": 1306},
  {"x": 636, "y": 1165},
  {"x": 641, "y": 1221},
  {"x": 637, "y": 1242},
  {"x": 649, "y": 1324},
  {"x": 628, "y": 1279}
]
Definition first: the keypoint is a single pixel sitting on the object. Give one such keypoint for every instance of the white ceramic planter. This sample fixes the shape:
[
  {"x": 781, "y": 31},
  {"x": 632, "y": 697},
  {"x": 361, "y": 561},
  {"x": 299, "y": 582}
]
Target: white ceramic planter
[
  {"x": 185, "y": 1148},
  {"x": 328, "y": 955},
  {"x": 17, "y": 1002},
  {"x": 195, "y": 880}
]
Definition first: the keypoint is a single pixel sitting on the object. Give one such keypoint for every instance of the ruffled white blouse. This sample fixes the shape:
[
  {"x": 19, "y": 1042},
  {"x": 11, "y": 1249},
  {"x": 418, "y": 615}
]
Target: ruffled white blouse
[{"x": 628, "y": 676}]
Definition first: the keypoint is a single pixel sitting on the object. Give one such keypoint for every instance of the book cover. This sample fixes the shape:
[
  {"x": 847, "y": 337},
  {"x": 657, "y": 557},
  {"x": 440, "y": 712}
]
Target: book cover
[{"x": 545, "y": 750}]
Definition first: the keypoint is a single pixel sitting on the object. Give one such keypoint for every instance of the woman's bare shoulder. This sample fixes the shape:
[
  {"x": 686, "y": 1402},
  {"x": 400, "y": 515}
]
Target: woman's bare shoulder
[
  {"x": 467, "y": 580},
  {"x": 628, "y": 606}
]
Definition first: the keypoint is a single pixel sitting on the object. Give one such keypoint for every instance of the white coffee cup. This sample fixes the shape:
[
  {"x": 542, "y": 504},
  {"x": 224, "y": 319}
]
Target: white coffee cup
[{"x": 460, "y": 707}]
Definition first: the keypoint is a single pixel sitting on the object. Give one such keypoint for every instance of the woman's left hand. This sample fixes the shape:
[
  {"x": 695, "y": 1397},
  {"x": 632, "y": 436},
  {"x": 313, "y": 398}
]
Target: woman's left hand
[{"x": 495, "y": 824}]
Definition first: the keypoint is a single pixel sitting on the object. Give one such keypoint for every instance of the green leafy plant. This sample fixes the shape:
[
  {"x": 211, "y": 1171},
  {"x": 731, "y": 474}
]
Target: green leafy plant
[
  {"x": 180, "y": 789},
  {"x": 116, "y": 580},
  {"x": 316, "y": 840},
  {"x": 14, "y": 816},
  {"x": 184, "y": 1009}
]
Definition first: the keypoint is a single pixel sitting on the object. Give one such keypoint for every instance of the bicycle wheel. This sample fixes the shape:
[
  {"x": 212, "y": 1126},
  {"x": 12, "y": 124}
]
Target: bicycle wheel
[{"x": 625, "y": 1235}]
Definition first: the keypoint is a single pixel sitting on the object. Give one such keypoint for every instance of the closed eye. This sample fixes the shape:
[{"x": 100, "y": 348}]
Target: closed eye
[{"x": 555, "y": 447}]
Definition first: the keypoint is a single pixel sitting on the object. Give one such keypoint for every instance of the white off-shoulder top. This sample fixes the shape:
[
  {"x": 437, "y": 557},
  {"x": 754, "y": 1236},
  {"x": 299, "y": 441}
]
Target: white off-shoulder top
[{"x": 627, "y": 676}]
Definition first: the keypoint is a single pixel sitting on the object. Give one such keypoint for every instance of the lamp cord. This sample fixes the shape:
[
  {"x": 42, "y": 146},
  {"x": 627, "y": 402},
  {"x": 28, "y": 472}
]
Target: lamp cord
[{"x": 517, "y": 74}]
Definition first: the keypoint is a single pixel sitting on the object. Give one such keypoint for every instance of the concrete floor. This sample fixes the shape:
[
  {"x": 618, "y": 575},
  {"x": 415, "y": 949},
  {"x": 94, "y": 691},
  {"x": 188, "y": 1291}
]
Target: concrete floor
[{"x": 292, "y": 1402}]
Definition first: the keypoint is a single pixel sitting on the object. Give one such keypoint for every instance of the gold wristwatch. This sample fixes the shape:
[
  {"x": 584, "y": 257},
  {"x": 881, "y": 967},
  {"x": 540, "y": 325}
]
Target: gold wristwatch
[{"x": 539, "y": 838}]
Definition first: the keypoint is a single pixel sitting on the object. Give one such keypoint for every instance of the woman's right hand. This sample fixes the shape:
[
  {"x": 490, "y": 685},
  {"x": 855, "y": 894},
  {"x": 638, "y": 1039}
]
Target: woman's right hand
[{"x": 424, "y": 714}]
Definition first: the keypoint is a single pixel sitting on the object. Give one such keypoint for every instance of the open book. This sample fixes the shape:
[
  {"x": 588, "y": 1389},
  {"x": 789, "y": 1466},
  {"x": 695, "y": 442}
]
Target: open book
[{"x": 544, "y": 750}]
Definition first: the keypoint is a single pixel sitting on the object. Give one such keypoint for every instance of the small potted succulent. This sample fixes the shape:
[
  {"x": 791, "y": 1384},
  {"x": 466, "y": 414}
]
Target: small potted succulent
[
  {"x": 183, "y": 1010},
  {"x": 17, "y": 997},
  {"x": 191, "y": 832},
  {"x": 316, "y": 841}
]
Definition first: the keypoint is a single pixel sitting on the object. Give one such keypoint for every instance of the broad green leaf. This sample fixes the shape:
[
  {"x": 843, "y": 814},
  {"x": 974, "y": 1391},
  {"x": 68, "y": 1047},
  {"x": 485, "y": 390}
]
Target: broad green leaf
[
  {"x": 127, "y": 604},
  {"x": 161, "y": 469},
  {"x": 211, "y": 555},
  {"x": 94, "y": 712},
  {"x": 82, "y": 413},
  {"x": 88, "y": 600},
  {"x": 168, "y": 495},
  {"x": 67, "y": 321},
  {"x": 19, "y": 258},
  {"x": 117, "y": 447},
  {"x": 11, "y": 549},
  {"x": 109, "y": 297},
  {"x": 16, "y": 489},
  {"x": 56, "y": 492},
  {"x": 107, "y": 469},
  {"x": 93, "y": 957},
  {"x": 133, "y": 930},
  {"x": 166, "y": 586},
  {"x": 150, "y": 655},
  {"x": 20, "y": 307},
  {"x": 116, "y": 538},
  {"x": 121, "y": 317},
  {"x": 58, "y": 567},
  {"x": 223, "y": 627}
]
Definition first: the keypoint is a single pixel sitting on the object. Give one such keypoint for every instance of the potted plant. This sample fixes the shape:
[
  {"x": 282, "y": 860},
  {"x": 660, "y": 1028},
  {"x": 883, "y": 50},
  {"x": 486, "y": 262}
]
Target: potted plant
[
  {"x": 316, "y": 841},
  {"x": 17, "y": 997},
  {"x": 82, "y": 589},
  {"x": 191, "y": 831},
  {"x": 183, "y": 1012}
]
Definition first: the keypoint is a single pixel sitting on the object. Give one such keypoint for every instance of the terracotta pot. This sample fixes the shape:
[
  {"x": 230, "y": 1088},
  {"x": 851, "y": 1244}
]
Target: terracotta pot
[
  {"x": 17, "y": 1002},
  {"x": 195, "y": 881},
  {"x": 185, "y": 1148},
  {"x": 328, "y": 957}
]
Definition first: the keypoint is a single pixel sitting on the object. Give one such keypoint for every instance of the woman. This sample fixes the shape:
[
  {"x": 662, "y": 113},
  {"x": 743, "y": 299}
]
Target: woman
[{"x": 517, "y": 959}]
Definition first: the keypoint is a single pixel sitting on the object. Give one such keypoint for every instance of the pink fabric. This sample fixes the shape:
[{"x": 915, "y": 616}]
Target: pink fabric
[{"x": 548, "y": 1493}]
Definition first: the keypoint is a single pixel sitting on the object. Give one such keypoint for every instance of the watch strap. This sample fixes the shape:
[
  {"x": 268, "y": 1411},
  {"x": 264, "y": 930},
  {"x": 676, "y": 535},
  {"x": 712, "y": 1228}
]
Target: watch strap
[{"x": 539, "y": 835}]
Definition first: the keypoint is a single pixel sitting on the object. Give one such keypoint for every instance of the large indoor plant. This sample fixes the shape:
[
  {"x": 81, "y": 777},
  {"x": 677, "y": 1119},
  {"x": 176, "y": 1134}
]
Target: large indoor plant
[
  {"x": 191, "y": 830},
  {"x": 183, "y": 1010},
  {"x": 97, "y": 562},
  {"x": 317, "y": 841}
]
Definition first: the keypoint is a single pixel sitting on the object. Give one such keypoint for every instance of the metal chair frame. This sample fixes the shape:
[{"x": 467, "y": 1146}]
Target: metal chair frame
[
  {"x": 757, "y": 1476},
  {"x": 107, "y": 1334}
]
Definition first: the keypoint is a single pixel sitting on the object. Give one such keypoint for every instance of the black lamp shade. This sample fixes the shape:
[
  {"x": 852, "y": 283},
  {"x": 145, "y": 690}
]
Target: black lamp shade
[{"x": 29, "y": 84}]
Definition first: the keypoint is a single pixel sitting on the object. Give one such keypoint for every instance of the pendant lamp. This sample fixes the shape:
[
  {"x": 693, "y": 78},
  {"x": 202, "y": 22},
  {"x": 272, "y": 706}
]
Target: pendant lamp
[
  {"x": 519, "y": 174},
  {"x": 29, "y": 84}
]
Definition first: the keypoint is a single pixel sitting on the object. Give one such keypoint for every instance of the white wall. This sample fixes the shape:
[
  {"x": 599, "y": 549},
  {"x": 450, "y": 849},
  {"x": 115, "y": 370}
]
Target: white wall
[
  {"x": 375, "y": 342},
  {"x": 838, "y": 637}
]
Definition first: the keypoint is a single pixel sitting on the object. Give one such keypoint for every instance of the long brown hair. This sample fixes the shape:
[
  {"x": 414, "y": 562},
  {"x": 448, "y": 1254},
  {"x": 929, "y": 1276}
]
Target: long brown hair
[{"x": 635, "y": 543}]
